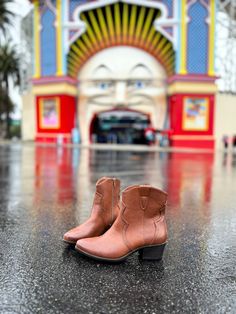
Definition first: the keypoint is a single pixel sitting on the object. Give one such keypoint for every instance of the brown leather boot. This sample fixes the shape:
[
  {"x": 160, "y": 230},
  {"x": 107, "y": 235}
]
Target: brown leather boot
[
  {"x": 105, "y": 210},
  {"x": 140, "y": 226}
]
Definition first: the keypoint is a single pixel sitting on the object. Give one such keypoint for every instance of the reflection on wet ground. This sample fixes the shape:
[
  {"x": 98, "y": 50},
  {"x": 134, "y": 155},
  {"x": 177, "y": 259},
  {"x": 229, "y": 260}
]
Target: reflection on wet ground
[{"x": 46, "y": 190}]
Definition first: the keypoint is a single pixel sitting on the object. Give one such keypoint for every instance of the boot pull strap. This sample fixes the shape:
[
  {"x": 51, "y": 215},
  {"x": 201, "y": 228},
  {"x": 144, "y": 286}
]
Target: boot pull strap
[{"x": 144, "y": 192}]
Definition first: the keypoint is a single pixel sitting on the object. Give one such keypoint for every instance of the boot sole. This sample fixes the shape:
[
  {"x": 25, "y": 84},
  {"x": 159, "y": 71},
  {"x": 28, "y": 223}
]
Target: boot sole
[
  {"x": 150, "y": 252},
  {"x": 69, "y": 242}
]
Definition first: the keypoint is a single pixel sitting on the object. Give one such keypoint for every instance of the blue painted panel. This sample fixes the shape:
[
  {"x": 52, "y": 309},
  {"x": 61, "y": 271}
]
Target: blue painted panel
[
  {"x": 74, "y": 4},
  {"x": 169, "y": 4},
  {"x": 197, "y": 39},
  {"x": 48, "y": 44}
]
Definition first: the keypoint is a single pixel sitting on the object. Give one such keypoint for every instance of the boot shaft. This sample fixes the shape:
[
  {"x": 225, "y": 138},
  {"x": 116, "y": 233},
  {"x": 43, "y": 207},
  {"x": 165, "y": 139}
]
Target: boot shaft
[
  {"x": 145, "y": 199},
  {"x": 143, "y": 215},
  {"x": 106, "y": 199},
  {"x": 109, "y": 191}
]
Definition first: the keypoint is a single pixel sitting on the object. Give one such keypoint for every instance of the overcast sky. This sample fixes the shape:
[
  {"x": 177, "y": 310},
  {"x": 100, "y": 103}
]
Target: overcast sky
[{"x": 20, "y": 8}]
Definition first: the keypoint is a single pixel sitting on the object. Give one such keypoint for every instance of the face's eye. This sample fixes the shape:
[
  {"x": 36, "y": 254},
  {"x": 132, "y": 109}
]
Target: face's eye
[
  {"x": 138, "y": 84},
  {"x": 104, "y": 85}
]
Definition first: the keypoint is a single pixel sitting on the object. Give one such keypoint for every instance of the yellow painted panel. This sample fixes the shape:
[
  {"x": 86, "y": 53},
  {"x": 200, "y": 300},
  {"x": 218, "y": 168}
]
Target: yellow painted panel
[
  {"x": 82, "y": 46},
  {"x": 211, "y": 63},
  {"x": 147, "y": 24},
  {"x": 183, "y": 69},
  {"x": 140, "y": 22},
  {"x": 53, "y": 89},
  {"x": 151, "y": 35},
  {"x": 74, "y": 61},
  {"x": 59, "y": 37},
  {"x": 37, "y": 70},
  {"x": 156, "y": 39},
  {"x": 89, "y": 30},
  {"x": 167, "y": 47},
  {"x": 95, "y": 25},
  {"x": 87, "y": 41},
  {"x": 77, "y": 50},
  {"x": 133, "y": 20},
  {"x": 117, "y": 21},
  {"x": 160, "y": 45},
  {"x": 190, "y": 87},
  {"x": 103, "y": 25},
  {"x": 125, "y": 21},
  {"x": 110, "y": 23}
]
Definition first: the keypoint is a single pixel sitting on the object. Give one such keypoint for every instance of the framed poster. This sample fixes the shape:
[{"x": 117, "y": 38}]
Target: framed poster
[
  {"x": 195, "y": 114},
  {"x": 49, "y": 113}
]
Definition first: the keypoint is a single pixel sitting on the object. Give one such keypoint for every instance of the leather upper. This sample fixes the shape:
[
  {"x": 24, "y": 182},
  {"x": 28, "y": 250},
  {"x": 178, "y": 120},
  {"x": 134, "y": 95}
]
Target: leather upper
[
  {"x": 104, "y": 211},
  {"x": 141, "y": 222}
]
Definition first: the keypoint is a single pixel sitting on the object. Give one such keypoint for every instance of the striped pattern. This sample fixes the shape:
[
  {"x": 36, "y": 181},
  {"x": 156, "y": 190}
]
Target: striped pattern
[{"x": 116, "y": 25}]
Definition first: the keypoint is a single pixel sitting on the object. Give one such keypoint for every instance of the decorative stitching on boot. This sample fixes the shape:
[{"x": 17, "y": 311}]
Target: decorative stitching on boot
[
  {"x": 155, "y": 232},
  {"x": 144, "y": 202},
  {"x": 124, "y": 228},
  {"x": 97, "y": 198}
]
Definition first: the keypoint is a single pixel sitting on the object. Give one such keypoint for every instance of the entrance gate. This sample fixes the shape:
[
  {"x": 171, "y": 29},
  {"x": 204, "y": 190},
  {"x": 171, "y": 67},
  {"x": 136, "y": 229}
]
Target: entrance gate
[{"x": 120, "y": 127}]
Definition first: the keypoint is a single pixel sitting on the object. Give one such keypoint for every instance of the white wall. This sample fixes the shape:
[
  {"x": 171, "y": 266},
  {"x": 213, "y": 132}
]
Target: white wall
[
  {"x": 225, "y": 117},
  {"x": 28, "y": 117}
]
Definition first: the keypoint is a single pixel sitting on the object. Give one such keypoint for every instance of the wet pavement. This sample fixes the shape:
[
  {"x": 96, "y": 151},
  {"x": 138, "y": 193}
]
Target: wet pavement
[{"x": 45, "y": 191}]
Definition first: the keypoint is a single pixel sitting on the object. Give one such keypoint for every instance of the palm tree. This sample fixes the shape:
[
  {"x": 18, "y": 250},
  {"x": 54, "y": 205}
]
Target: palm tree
[
  {"x": 9, "y": 65},
  {"x": 5, "y": 17},
  {"x": 5, "y": 102},
  {"x": 9, "y": 72}
]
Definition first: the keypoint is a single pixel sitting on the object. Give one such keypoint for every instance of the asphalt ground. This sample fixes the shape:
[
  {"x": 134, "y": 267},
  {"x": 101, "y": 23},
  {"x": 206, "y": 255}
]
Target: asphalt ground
[{"x": 44, "y": 191}]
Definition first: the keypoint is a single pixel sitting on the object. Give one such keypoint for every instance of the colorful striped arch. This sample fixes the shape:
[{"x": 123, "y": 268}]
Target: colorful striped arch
[{"x": 116, "y": 25}]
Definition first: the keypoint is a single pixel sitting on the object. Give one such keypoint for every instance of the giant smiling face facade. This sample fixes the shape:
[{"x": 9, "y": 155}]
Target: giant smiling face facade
[{"x": 125, "y": 78}]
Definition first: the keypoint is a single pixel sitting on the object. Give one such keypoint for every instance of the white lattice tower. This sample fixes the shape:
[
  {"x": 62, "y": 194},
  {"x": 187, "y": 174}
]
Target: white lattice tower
[{"x": 226, "y": 45}]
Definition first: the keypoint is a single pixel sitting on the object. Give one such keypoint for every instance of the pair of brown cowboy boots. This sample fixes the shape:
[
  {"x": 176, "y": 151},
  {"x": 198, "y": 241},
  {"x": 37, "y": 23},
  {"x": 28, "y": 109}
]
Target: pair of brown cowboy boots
[{"x": 112, "y": 234}]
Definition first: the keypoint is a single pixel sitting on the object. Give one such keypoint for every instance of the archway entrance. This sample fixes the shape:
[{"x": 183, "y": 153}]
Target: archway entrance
[{"x": 119, "y": 126}]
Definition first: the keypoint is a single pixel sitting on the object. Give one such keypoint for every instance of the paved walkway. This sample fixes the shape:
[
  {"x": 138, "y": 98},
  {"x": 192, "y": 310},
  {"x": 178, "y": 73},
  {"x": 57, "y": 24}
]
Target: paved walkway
[
  {"x": 111, "y": 147},
  {"x": 46, "y": 190}
]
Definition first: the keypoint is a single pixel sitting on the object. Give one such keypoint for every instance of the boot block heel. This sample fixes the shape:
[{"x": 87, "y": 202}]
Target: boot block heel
[{"x": 152, "y": 252}]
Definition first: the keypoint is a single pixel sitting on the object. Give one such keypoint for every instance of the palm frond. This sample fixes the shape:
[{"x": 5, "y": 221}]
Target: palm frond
[
  {"x": 9, "y": 64},
  {"x": 6, "y": 16}
]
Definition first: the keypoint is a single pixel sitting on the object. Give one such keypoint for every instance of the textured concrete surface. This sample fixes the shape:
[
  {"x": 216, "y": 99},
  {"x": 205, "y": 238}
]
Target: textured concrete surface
[{"x": 44, "y": 191}]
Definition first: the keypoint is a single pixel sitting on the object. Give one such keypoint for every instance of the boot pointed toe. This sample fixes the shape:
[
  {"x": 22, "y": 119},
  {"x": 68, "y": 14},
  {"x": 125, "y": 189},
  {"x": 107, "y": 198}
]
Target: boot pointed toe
[
  {"x": 81, "y": 244},
  {"x": 68, "y": 238},
  {"x": 85, "y": 246}
]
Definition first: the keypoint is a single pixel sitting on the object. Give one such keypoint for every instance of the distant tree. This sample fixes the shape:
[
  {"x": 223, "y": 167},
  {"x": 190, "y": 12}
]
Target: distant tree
[
  {"x": 6, "y": 17},
  {"x": 5, "y": 102},
  {"x": 9, "y": 72}
]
